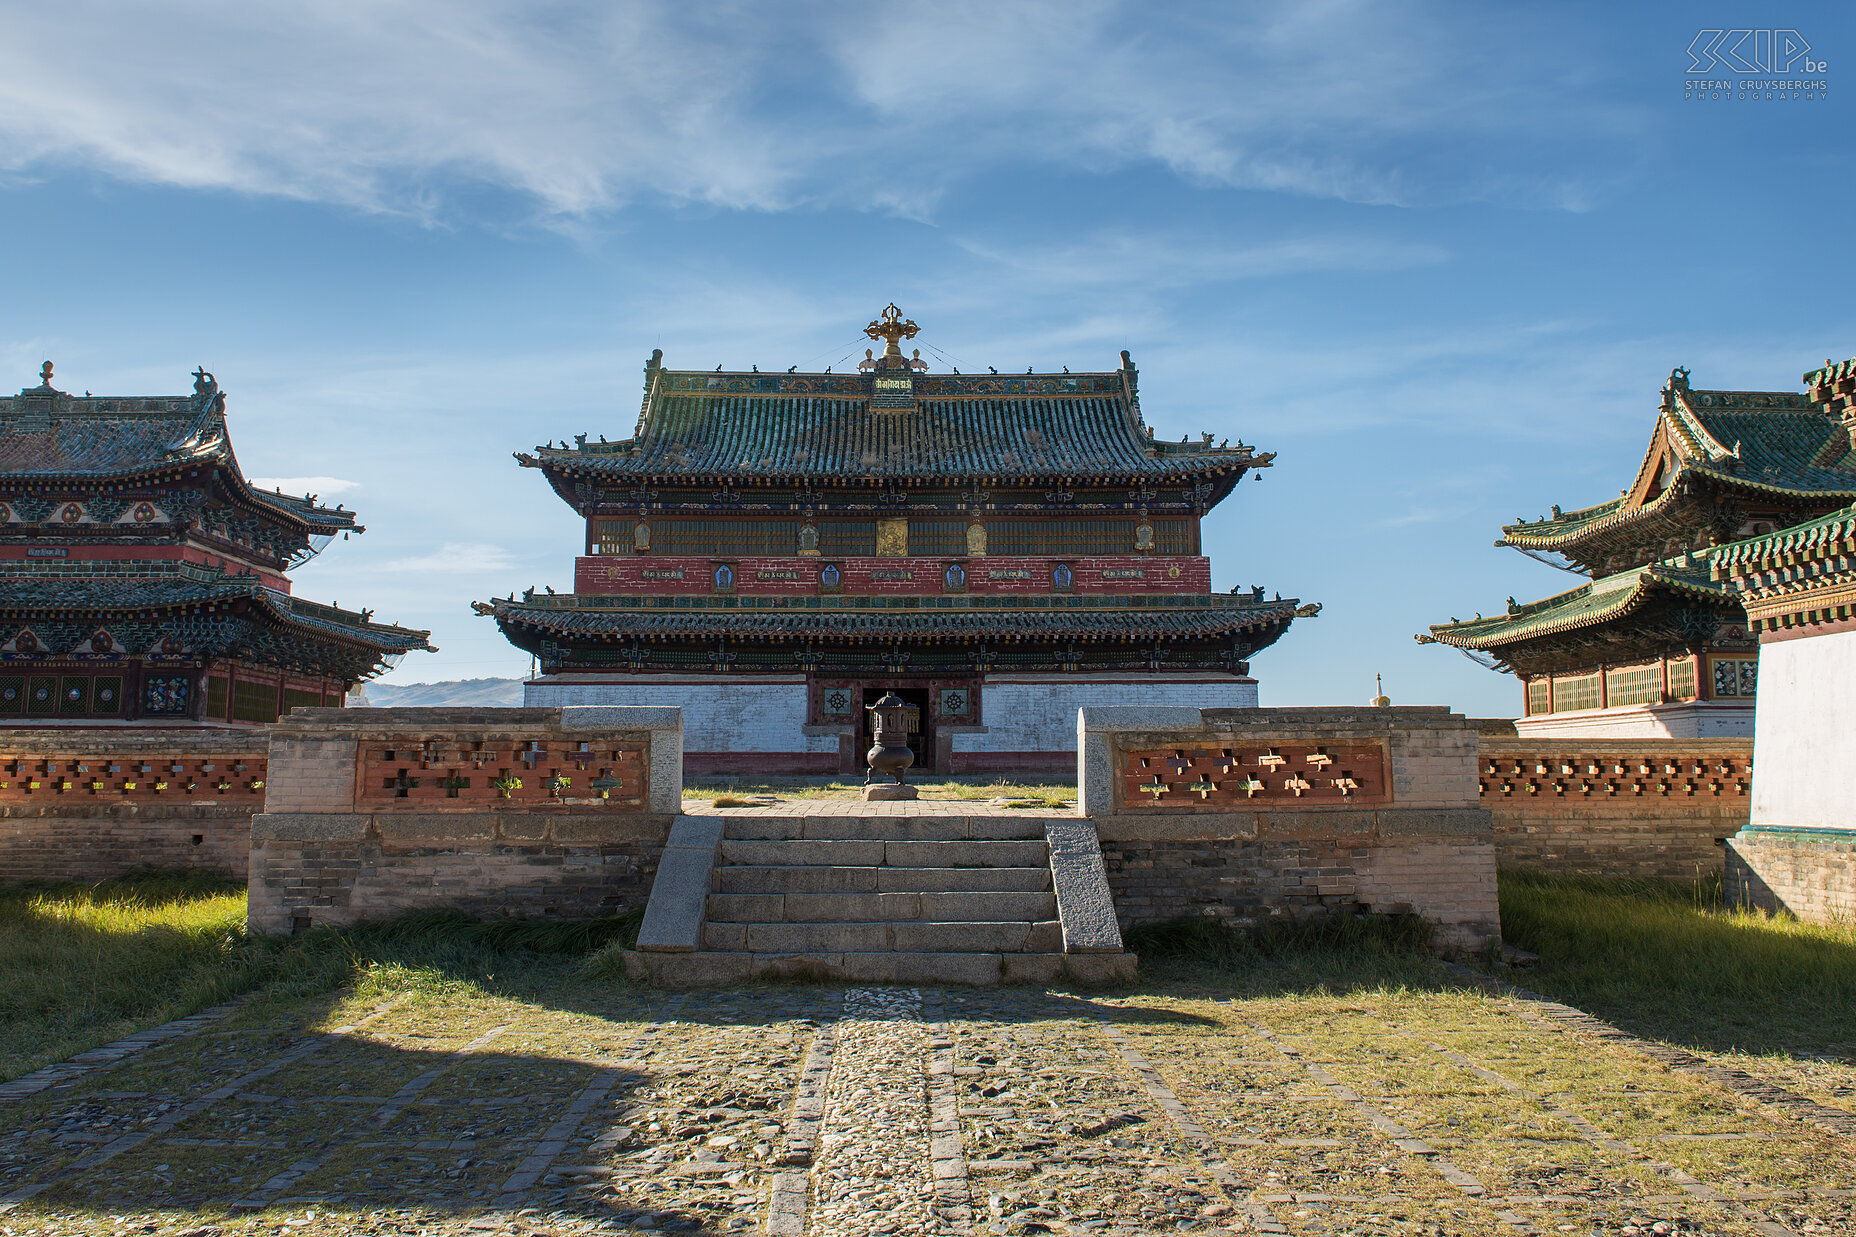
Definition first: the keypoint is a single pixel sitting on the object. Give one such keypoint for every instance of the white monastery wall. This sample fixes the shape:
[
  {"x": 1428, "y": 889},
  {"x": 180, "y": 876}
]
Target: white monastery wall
[
  {"x": 1656, "y": 721},
  {"x": 1040, "y": 715},
  {"x": 757, "y": 715},
  {"x": 1804, "y": 771}
]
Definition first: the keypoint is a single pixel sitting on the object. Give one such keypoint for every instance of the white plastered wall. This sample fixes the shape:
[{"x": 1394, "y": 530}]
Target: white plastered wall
[
  {"x": 718, "y": 715},
  {"x": 1029, "y": 716},
  {"x": 1804, "y": 739}
]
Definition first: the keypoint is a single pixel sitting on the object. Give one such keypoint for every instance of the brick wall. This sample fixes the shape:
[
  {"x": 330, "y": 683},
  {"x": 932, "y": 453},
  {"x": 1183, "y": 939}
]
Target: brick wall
[
  {"x": 1244, "y": 869},
  {"x": 318, "y": 869},
  {"x": 89, "y": 804},
  {"x": 1810, "y": 873},
  {"x": 1620, "y": 807},
  {"x": 1247, "y": 813},
  {"x": 342, "y": 841}
]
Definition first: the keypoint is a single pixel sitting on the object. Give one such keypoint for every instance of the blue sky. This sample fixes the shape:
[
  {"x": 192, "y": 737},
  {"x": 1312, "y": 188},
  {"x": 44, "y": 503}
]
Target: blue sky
[{"x": 1439, "y": 257}]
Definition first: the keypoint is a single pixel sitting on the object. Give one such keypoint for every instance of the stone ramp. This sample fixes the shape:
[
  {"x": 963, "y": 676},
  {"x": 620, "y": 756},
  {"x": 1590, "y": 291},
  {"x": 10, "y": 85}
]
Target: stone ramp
[{"x": 928, "y": 896}]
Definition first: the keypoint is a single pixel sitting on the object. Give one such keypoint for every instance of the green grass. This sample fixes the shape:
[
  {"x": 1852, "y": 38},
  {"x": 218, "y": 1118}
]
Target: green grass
[
  {"x": 1322, "y": 952},
  {"x": 81, "y": 965},
  {"x": 1668, "y": 959}
]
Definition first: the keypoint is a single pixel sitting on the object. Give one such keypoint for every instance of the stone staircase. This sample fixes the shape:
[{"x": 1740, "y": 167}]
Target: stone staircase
[{"x": 926, "y": 897}]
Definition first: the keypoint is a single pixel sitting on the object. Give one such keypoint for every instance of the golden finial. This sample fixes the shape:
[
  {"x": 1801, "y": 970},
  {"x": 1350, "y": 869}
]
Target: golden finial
[
  {"x": 1380, "y": 699},
  {"x": 892, "y": 328}
]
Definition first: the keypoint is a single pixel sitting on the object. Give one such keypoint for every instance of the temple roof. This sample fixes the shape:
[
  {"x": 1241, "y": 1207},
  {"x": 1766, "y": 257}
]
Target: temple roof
[
  {"x": 700, "y": 426},
  {"x": 1807, "y": 540},
  {"x": 189, "y": 587},
  {"x": 859, "y": 619},
  {"x": 1602, "y": 601},
  {"x": 1805, "y": 574},
  {"x": 1751, "y": 445},
  {"x": 49, "y": 436}
]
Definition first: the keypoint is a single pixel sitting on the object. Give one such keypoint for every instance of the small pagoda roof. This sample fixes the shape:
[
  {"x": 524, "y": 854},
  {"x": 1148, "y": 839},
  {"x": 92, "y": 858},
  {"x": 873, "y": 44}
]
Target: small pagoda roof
[
  {"x": 1802, "y": 575},
  {"x": 700, "y": 427},
  {"x": 1602, "y": 601},
  {"x": 50, "y": 437},
  {"x": 858, "y": 620},
  {"x": 188, "y": 588},
  {"x": 1775, "y": 444},
  {"x": 1787, "y": 546}
]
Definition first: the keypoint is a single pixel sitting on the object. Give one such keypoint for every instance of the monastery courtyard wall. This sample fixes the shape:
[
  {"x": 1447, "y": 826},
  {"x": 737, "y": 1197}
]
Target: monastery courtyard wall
[{"x": 91, "y": 804}]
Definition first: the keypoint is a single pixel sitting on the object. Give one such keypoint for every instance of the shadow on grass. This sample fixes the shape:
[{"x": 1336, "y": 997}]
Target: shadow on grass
[{"x": 1668, "y": 960}]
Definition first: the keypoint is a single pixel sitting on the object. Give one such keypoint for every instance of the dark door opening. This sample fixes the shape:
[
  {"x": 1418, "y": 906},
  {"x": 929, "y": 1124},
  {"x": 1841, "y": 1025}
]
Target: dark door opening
[{"x": 921, "y": 726}]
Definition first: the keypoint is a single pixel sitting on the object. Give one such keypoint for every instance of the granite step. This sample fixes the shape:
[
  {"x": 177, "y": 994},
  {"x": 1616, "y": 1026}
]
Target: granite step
[
  {"x": 980, "y": 969},
  {"x": 962, "y": 937},
  {"x": 786, "y": 878},
  {"x": 912, "y": 907},
  {"x": 885, "y": 828},
  {"x": 875, "y": 852}
]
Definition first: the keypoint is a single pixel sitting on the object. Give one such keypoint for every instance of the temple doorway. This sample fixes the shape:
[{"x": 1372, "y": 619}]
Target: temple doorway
[{"x": 921, "y": 725}]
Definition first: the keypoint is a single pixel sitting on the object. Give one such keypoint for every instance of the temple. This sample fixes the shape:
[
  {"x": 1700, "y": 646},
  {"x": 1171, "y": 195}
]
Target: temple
[
  {"x": 1657, "y": 642},
  {"x": 142, "y": 577},
  {"x": 773, "y": 552}
]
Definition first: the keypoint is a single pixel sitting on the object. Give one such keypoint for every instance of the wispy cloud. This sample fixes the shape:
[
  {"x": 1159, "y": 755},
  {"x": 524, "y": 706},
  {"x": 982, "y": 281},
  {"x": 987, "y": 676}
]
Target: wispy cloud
[
  {"x": 1175, "y": 259},
  {"x": 321, "y": 486},
  {"x": 455, "y": 558},
  {"x": 580, "y": 107}
]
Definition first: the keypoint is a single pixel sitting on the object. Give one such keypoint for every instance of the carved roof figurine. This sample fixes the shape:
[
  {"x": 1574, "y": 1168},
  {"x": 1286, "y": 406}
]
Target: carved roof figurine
[
  {"x": 868, "y": 363},
  {"x": 916, "y": 362}
]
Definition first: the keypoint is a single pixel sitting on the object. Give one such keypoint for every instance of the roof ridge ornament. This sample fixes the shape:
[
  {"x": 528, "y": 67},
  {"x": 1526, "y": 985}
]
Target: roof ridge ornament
[
  {"x": 45, "y": 376},
  {"x": 892, "y": 328}
]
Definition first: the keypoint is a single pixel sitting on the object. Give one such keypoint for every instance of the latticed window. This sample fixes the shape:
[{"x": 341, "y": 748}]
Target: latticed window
[
  {"x": 295, "y": 699},
  {"x": 1172, "y": 537},
  {"x": 613, "y": 536},
  {"x": 1063, "y": 538},
  {"x": 254, "y": 702},
  {"x": 711, "y": 538},
  {"x": 938, "y": 538},
  {"x": 1538, "y": 697},
  {"x": 1682, "y": 679},
  {"x": 847, "y": 538},
  {"x": 1634, "y": 685},
  {"x": 1572, "y": 694}
]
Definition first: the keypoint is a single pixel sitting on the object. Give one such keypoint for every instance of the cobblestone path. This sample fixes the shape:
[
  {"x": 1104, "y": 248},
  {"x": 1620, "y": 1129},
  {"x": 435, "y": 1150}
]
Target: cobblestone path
[{"x": 878, "y": 1110}]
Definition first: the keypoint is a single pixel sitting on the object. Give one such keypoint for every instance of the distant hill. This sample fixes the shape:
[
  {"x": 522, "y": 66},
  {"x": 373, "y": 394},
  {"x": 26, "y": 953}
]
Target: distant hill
[{"x": 502, "y": 693}]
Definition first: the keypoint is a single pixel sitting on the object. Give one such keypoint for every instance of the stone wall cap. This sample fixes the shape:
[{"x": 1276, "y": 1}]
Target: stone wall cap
[
  {"x": 309, "y": 827},
  {"x": 1101, "y": 719},
  {"x": 620, "y": 717},
  {"x": 1104, "y": 717}
]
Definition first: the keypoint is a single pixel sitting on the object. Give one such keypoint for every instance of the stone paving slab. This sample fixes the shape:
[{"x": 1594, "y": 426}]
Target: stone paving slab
[{"x": 869, "y": 1109}]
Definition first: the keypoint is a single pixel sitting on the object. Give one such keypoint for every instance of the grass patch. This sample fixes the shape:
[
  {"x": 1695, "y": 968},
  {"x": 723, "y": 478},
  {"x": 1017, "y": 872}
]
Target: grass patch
[
  {"x": 1280, "y": 953},
  {"x": 1669, "y": 959},
  {"x": 81, "y": 965},
  {"x": 84, "y": 964}
]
